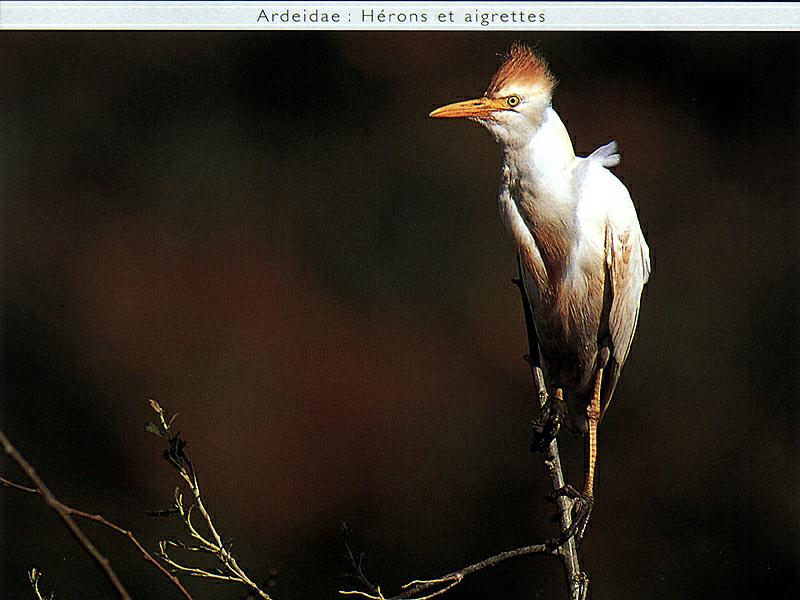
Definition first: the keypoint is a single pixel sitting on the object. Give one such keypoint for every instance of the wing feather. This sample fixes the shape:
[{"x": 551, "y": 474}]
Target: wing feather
[{"x": 628, "y": 269}]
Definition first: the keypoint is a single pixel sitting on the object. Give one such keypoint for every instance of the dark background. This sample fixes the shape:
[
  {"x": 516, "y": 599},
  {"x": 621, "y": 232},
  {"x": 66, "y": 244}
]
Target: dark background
[{"x": 265, "y": 232}]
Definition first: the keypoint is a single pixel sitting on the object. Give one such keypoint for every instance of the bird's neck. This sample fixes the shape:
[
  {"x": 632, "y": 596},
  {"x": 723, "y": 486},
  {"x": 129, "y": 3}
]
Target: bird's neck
[
  {"x": 544, "y": 162},
  {"x": 541, "y": 190}
]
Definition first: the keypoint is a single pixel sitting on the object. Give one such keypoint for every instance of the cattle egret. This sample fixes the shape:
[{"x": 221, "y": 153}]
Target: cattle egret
[{"x": 585, "y": 260}]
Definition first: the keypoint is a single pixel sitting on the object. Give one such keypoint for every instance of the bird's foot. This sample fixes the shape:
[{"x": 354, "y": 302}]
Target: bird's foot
[
  {"x": 547, "y": 425},
  {"x": 582, "y": 505}
]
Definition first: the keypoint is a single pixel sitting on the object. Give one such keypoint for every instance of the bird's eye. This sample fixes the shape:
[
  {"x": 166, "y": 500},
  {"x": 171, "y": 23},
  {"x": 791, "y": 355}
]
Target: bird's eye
[{"x": 513, "y": 101}]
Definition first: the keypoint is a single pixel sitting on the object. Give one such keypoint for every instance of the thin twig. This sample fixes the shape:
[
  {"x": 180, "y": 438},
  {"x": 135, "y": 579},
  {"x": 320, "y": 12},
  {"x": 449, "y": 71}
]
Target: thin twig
[
  {"x": 413, "y": 588},
  {"x": 210, "y": 543},
  {"x": 59, "y": 508},
  {"x": 577, "y": 581},
  {"x": 356, "y": 563},
  {"x": 114, "y": 527},
  {"x": 33, "y": 576}
]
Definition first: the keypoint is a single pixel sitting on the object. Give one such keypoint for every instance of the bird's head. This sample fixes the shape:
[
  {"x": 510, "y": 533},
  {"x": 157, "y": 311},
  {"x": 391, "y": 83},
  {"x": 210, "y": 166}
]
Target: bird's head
[{"x": 514, "y": 104}]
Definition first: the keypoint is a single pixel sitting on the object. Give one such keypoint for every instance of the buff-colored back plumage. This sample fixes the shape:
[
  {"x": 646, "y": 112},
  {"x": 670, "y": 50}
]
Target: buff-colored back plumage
[{"x": 522, "y": 68}]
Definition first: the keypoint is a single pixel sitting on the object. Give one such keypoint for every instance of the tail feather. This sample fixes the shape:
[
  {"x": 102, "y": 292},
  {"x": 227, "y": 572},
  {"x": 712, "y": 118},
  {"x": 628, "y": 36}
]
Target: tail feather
[{"x": 608, "y": 155}]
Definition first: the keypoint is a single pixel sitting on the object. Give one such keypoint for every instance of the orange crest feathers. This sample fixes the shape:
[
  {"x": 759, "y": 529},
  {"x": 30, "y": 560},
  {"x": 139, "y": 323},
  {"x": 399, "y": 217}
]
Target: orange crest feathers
[{"x": 522, "y": 67}]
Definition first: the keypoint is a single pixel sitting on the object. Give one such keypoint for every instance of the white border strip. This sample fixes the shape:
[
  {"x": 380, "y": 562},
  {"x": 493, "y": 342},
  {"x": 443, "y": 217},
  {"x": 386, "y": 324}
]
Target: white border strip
[{"x": 396, "y": 16}]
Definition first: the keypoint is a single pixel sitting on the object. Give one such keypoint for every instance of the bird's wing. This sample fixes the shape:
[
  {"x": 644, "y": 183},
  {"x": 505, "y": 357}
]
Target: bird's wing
[
  {"x": 607, "y": 213},
  {"x": 628, "y": 268},
  {"x": 628, "y": 263}
]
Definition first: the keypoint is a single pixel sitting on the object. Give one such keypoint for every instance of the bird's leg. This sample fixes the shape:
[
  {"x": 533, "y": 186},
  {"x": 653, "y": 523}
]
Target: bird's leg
[
  {"x": 584, "y": 501},
  {"x": 584, "y": 504},
  {"x": 547, "y": 425},
  {"x": 593, "y": 417}
]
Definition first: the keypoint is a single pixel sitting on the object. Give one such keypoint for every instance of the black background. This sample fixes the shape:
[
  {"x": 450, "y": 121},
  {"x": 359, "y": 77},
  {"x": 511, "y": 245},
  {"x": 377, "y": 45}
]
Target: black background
[{"x": 266, "y": 233}]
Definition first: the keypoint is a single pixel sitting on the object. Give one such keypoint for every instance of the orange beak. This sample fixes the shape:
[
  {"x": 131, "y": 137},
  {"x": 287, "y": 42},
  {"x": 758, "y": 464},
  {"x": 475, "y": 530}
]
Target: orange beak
[{"x": 479, "y": 108}]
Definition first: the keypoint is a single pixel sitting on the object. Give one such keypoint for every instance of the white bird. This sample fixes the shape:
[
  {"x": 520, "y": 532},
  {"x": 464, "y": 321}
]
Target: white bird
[{"x": 585, "y": 260}]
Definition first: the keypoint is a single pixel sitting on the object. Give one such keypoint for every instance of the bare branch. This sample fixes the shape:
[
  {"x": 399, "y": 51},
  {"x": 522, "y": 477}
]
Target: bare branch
[
  {"x": 210, "y": 542},
  {"x": 577, "y": 581},
  {"x": 33, "y": 576},
  {"x": 16, "y": 486},
  {"x": 356, "y": 563},
  {"x": 413, "y": 589},
  {"x": 562, "y": 546},
  {"x": 64, "y": 515},
  {"x": 105, "y": 522}
]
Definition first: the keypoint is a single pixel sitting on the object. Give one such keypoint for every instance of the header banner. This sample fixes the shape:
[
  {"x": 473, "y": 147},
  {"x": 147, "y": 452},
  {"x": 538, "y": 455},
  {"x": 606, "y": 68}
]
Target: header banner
[{"x": 394, "y": 16}]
